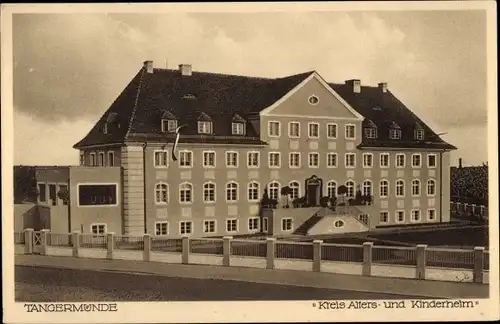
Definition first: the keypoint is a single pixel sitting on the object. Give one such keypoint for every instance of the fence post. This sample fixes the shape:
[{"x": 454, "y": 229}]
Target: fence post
[
  {"x": 75, "y": 238},
  {"x": 270, "y": 253},
  {"x": 421, "y": 261},
  {"x": 185, "y": 250},
  {"x": 478, "y": 264},
  {"x": 317, "y": 255},
  {"x": 147, "y": 248},
  {"x": 367, "y": 258},
  {"x": 44, "y": 240},
  {"x": 226, "y": 250},
  {"x": 110, "y": 245},
  {"x": 28, "y": 241}
]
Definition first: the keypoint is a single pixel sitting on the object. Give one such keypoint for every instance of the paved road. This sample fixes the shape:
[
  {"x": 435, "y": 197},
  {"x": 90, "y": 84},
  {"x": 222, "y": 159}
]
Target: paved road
[{"x": 65, "y": 285}]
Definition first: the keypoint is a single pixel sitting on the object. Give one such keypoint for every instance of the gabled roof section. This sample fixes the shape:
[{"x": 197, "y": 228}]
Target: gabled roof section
[
  {"x": 168, "y": 115},
  {"x": 369, "y": 123},
  {"x": 392, "y": 109},
  {"x": 204, "y": 117},
  {"x": 238, "y": 119},
  {"x": 394, "y": 125}
]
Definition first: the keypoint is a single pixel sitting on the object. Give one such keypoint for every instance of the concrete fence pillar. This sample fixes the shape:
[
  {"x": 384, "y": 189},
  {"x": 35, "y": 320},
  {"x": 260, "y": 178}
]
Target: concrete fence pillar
[
  {"x": 270, "y": 253},
  {"x": 44, "y": 240},
  {"x": 226, "y": 250},
  {"x": 75, "y": 238},
  {"x": 317, "y": 255},
  {"x": 421, "y": 261},
  {"x": 478, "y": 264},
  {"x": 110, "y": 245},
  {"x": 146, "y": 256},
  {"x": 185, "y": 250},
  {"x": 367, "y": 258},
  {"x": 28, "y": 241}
]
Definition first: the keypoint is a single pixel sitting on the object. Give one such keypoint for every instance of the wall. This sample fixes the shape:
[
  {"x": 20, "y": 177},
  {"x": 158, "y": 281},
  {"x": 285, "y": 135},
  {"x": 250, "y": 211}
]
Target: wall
[
  {"x": 24, "y": 216},
  {"x": 83, "y": 216},
  {"x": 298, "y": 216},
  {"x": 446, "y": 188},
  {"x": 115, "y": 149}
]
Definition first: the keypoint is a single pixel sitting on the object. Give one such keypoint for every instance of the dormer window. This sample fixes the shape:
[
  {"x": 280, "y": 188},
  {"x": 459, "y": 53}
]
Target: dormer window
[
  {"x": 168, "y": 125},
  {"x": 419, "y": 132},
  {"x": 395, "y": 131},
  {"x": 238, "y": 129},
  {"x": 204, "y": 127},
  {"x": 370, "y": 129},
  {"x": 371, "y": 132},
  {"x": 238, "y": 125}
]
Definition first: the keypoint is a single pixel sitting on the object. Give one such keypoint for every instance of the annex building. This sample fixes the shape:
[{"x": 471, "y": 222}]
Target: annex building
[{"x": 281, "y": 156}]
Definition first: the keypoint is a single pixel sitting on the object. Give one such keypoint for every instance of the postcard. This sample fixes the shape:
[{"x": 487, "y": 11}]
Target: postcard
[{"x": 249, "y": 162}]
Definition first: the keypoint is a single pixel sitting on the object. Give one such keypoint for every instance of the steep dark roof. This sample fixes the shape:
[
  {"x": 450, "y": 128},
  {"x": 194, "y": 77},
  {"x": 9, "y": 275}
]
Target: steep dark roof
[
  {"x": 136, "y": 113},
  {"x": 386, "y": 111},
  {"x": 165, "y": 92}
]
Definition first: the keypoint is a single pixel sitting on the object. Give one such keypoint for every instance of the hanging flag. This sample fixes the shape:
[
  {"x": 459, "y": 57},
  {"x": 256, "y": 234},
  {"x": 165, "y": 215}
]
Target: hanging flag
[{"x": 177, "y": 136}]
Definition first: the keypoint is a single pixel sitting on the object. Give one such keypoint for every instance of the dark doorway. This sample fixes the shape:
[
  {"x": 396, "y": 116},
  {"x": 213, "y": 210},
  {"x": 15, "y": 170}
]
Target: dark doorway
[{"x": 313, "y": 190}]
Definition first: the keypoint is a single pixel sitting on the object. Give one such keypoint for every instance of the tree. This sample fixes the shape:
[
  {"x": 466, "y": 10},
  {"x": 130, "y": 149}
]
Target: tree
[
  {"x": 286, "y": 191},
  {"x": 63, "y": 194}
]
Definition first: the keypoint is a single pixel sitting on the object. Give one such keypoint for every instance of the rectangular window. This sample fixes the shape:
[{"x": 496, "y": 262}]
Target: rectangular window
[
  {"x": 264, "y": 225},
  {"x": 294, "y": 129},
  {"x": 400, "y": 216},
  {"x": 161, "y": 228},
  {"x": 185, "y": 159},
  {"x": 42, "y": 193},
  {"x": 161, "y": 159},
  {"x": 384, "y": 160},
  {"x": 100, "y": 159},
  {"x": 92, "y": 159},
  {"x": 384, "y": 217},
  {"x": 274, "y": 160},
  {"x": 294, "y": 160},
  {"x": 400, "y": 188},
  {"x": 364, "y": 218},
  {"x": 395, "y": 134},
  {"x": 111, "y": 158},
  {"x": 286, "y": 224},
  {"x": 313, "y": 160},
  {"x": 209, "y": 226},
  {"x": 53, "y": 194},
  {"x": 331, "y": 130},
  {"x": 186, "y": 227},
  {"x": 253, "y": 224},
  {"x": 313, "y": 130},
  {"x": 350, "y": 131},
  {"x": 367, "y": 160},
  {"x": 400, "y": 160},
  {"x": 331, "y": 160},
  {"x": 204, "y": 127},
  {"x": 238, "y": 128},
  {"x": 209, "y": 159},
  {"x": 98, "y": 194},
  {"x": 98, "y": 228},
  {"x": 232, "y": 159},
  {"x": 231, "y": 225},
  {"x": 416, "y": 160},
  {"x": 253, "y": 159},
  {"x": 431, "y": 214},
  {"x": 415, "y": 215},
  {"x": 274, "y": 128},
  {"x": 350, "y": 160},
  {"x": 371, "y": 133},
  {"x": 168, "y": 125},
  {"x": 384, "y": 189},
  {"x": 431, "y": 160},
  {"x": 82, "y": 158}
]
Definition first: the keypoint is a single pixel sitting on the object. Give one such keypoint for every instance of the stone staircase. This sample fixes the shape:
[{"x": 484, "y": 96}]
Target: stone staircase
[{"x": 310, "y": 222}]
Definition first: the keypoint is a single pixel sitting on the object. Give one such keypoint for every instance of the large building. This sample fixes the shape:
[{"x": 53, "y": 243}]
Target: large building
[{"x": 241, "y": 141}]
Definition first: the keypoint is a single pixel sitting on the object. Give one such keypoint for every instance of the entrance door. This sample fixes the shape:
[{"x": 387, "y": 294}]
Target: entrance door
[{"x": 313, "y": 194}]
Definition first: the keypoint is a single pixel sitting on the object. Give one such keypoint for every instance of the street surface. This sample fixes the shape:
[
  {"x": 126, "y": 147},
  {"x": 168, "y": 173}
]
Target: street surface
[{"x": 66, "y": 285}]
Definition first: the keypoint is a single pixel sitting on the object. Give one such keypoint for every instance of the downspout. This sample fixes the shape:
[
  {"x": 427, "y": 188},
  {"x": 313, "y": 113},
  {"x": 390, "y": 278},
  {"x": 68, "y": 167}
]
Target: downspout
[
  {"x": 441, "y": 186},
  {"x": 69, "y": 202},
  {"x": 144, "y": 146}
]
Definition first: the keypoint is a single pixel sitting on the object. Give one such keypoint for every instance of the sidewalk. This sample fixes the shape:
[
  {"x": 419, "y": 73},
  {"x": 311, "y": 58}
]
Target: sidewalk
[{"x": 417, "y": 288}]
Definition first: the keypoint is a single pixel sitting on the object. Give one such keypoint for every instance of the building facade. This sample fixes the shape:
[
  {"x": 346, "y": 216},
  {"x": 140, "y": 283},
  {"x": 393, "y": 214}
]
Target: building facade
[{"x": 242, "y": 140}]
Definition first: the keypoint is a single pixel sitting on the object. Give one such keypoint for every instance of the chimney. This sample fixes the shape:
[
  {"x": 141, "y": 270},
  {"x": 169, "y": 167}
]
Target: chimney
[
  {"x": 355, "y": 84},
  {"x": 460, "y": 163},
  {"x": 383, "y": 86},
  {"x": 148, "y": 65},
  {"x": 185, "y": 69}
]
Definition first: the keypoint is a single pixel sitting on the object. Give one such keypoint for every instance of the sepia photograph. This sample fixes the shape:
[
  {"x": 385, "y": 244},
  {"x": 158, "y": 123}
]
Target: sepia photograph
[{"x": 318, "y": 161}]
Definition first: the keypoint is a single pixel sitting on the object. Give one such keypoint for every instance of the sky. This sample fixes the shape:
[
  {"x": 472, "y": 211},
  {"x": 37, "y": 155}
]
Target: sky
[{"x": 69, "y": 68}]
